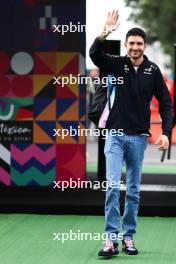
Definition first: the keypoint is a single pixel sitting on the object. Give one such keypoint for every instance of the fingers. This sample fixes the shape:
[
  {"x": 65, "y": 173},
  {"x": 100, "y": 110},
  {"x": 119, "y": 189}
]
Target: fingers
[
  {"x": 111, "y": 23},
  {"x": 162, "y": 144},
  {"x": 117, "y": 15},
  {"x": 158, "y": 140},
  {"x": 165, "y": 145},
  {"x": 113, "y": 15},
  {"x": 117, "y": 24}
]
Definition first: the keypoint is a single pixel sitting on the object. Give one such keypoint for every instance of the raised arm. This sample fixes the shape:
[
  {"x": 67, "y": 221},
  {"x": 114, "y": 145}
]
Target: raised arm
[
  {"x": 99, "y": 58},
  {"x": 111, "y": 24}
]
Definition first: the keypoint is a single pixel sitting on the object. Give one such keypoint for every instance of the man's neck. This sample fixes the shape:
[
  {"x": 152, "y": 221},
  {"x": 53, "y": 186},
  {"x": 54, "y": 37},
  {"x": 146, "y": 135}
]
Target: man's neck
[{"x": 137, "y": 62}]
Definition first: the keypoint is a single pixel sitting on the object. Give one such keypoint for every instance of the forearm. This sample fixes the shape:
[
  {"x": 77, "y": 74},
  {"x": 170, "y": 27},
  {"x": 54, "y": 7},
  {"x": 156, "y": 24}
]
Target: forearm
[
  {"x": 103, "y": 35},
  {"x": 167, "y": 118},
  {"x": 96, "y": 51},
  {"x": 165, "y": 103},
  {"x": 100, "y": 58}
]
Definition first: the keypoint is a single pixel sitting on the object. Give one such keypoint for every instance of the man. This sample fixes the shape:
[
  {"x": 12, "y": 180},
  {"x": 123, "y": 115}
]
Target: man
[{"x": 131, "y": 112}]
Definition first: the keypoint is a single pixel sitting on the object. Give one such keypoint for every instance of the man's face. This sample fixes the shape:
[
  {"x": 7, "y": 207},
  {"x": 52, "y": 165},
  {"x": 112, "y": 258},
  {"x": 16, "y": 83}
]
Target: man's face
[{"x": 135, "y": 47}]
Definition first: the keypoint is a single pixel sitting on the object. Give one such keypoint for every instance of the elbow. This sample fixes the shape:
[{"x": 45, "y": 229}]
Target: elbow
[{"x": 90, "y": 53}]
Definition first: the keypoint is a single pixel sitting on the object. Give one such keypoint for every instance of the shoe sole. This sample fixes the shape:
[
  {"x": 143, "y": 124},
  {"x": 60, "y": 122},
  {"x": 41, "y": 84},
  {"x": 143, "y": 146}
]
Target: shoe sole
[
  {"x": 130, "y": 253},
  {"x": 108, "y": 256}
]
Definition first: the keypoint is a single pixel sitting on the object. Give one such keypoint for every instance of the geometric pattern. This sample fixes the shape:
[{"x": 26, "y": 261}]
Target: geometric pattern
[
  {"x": 43, "y": 86},
  {"x": 44, "y": 108},
  {"x": 66, "y": 107},
  {"x": 73, "y": 137},
  {"x": 33, "y": 164},
  {"x": 56, "y": 63},
  {"x": 67, "y": 91},
  {"x": 16, "y": 108},
  {"x": 43, "y": 132},
  {"x": 5, "y": 165},
  {"x": 31, "y": 105}
]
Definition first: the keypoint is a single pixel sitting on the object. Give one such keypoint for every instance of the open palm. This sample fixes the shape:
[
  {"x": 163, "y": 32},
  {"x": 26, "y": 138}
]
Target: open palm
[{"x": 112, "y": 22}]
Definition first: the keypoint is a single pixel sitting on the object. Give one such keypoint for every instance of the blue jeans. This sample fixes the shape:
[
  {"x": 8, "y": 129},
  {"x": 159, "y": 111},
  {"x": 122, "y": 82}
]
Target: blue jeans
[{"x": 128, "y": 148}]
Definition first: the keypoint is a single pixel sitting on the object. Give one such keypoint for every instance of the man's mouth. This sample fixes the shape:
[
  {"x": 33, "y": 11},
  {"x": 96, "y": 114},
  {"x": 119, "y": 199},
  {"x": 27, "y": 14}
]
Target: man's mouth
[{"x": 135, "y": 53}]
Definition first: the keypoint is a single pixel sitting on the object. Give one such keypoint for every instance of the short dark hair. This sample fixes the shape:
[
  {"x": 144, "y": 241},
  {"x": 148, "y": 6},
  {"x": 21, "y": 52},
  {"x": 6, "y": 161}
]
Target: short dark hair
[{"x": 137, "y": 32}]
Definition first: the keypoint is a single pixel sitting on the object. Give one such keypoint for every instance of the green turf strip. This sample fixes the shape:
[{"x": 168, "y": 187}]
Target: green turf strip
[
  {"x": 28, "y": 239},
  {"x": 92, "y": 167}
]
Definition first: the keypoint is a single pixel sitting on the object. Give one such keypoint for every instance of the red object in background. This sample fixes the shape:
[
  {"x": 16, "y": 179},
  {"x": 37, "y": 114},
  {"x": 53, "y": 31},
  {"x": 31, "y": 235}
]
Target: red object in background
[
  {"x": 4, "y": 62},
  {"x": 155, "y": 129},
  {"x": 70, "y": 162},
  {"x": 13, "y": 86},
  {"x": 24, "y": 114}
]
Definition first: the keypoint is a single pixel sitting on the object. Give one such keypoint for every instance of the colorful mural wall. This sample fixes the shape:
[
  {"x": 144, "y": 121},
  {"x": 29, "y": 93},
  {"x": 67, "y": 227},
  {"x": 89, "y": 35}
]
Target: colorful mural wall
[{"x": 31, "y": 105}]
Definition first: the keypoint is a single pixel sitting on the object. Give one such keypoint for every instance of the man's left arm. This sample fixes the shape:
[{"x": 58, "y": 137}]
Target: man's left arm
[{"x": 165, "y": 109}]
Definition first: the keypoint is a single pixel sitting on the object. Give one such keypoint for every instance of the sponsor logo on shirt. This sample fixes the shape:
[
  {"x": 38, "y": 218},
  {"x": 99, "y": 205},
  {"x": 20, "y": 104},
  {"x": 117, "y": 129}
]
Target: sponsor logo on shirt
[{"x": 126, "y": 68}]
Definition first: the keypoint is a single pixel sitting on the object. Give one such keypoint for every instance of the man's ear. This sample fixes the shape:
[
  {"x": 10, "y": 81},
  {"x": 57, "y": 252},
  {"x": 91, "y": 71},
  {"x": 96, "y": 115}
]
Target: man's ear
[
  {"x": 145, "y": 45},
  {"x": 125, "y": 44}
]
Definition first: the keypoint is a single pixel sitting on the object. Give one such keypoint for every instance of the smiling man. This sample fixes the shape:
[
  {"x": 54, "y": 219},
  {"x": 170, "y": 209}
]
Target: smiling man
[{"x": 130, "y": 112}]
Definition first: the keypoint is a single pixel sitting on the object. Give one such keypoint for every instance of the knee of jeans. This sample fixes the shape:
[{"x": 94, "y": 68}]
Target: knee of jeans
[
  {"x": 133, "y": 196},
  {"x": 112, "y": 192},
  {"x": 112, "y": 177}
]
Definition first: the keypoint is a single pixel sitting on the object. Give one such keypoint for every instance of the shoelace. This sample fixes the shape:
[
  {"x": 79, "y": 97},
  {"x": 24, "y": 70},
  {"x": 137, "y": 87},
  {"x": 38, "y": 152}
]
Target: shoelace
[
  {"x": 108, "y": 245},
  {"x": 129, "y": 243}
]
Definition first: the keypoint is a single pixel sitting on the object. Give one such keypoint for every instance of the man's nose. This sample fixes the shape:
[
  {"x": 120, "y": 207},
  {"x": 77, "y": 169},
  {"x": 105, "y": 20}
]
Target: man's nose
[{"x": 135, "y": 46}]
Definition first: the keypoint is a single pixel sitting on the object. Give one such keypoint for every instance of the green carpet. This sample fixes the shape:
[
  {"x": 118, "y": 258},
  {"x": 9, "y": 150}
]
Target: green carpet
[
  {"x": 28, "y": 239},
  {"x": 162, "y": 168}
]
